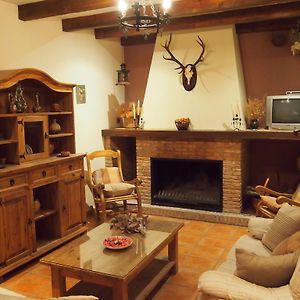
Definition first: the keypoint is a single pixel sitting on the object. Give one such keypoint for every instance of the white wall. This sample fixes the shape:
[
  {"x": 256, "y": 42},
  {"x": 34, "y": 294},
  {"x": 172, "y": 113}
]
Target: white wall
[
  {"x": 219, "y": 92},
  {"x": 68, "y": 57}
]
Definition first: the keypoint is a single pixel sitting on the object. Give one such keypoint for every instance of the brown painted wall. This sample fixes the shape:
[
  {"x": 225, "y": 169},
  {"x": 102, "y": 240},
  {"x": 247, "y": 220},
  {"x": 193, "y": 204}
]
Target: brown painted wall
[
  {"x": 268, "y": 70},
  {"x": 138, "y": 61}
]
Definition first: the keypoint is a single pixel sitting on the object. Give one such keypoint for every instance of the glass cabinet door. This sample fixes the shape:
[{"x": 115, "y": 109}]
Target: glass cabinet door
[{"x": 33, "y": 134}]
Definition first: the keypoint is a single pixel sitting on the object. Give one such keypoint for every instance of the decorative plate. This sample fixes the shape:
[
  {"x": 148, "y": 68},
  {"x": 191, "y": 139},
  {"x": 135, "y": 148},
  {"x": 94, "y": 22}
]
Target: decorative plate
[
  {"x": 117, "y": 242},
  {"x": 28, "y": 149}
]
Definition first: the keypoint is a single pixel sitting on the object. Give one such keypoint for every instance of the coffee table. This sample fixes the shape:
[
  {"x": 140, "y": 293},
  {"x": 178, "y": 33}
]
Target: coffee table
[{"x": 87, "y": 260}]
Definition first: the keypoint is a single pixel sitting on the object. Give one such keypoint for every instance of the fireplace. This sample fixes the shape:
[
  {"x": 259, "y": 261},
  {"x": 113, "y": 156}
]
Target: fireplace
[{"x": 187, "y": 183}]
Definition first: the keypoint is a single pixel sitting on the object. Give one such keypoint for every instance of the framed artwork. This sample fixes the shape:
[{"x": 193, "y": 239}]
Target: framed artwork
[{"x": 80, "y": 94}]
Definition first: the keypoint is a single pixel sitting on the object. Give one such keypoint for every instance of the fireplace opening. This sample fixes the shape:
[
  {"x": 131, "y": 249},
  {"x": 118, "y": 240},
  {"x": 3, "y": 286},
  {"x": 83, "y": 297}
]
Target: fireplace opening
[{"x": 187, "y": 183}]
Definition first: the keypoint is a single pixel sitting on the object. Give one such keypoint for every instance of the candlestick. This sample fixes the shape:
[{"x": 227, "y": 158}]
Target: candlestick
[{"x": 133, "y": 111}]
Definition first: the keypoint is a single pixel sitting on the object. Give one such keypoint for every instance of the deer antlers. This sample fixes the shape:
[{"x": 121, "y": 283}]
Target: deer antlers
[
  {"x": 189, "y": 71},
  {"x": 173, "y": 58}
]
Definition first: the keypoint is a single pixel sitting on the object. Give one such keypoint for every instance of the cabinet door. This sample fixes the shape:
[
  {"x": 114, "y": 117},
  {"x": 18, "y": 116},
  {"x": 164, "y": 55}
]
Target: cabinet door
[
  {"x": 73, "y": 202},
  {"x": 33, "y": 137},
  {"x": 15, "y": 228}
]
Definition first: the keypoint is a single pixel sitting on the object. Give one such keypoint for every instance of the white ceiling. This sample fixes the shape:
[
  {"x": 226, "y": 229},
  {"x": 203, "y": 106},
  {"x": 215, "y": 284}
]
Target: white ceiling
[{"x": 21, "y": 1}]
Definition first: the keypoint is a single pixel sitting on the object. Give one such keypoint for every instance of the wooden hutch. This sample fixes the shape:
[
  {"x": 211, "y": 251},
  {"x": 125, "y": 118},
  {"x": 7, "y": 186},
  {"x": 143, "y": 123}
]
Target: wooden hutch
[{"x": 42, "y": 200}]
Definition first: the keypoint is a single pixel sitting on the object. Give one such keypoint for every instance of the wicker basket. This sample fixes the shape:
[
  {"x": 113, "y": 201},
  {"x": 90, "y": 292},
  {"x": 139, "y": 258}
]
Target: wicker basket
[{"x": 182, "y": 125}]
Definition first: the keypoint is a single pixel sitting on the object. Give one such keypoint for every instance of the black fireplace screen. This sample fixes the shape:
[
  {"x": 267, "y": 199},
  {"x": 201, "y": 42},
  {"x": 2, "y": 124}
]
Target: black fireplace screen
[{"x": 187, "y": 183}]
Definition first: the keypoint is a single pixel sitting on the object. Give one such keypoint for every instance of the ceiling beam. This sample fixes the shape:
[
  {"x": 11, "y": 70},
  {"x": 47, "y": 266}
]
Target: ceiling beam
[
  {"x": 180, "y": 9},
  {"x": 278, "y": 12},
  {"x": 50, "y": 8}
]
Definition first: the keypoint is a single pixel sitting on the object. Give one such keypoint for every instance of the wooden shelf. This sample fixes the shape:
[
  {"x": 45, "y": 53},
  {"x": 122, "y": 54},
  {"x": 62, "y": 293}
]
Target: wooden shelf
[
  {"x": 59, "y": 135},
  {"x": 47, "y": 113},
  {"x": 43, "y": 213},
  {"x": 5, "y": 142}
]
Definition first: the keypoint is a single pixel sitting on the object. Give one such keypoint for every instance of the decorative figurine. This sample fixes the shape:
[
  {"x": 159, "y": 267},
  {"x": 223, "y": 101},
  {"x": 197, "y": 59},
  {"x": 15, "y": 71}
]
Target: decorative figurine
[
  {"x": 21, "y": 105},
  {"x": 12, "y": 104},
  {"x": 37, "y": 107}
]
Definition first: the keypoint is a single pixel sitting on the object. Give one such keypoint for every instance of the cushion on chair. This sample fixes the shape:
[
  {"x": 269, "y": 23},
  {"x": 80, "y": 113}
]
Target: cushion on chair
[
  {"x": 285, "y": 223},
  {"x": 106, "y": 175},
  {"x": 290, "y": 244},
  {"x": 296, "y": 195},
  {"x": 268, "y": 271},
  {"x": 271, "y": 203},
  {"x": 118, "y": 189}
]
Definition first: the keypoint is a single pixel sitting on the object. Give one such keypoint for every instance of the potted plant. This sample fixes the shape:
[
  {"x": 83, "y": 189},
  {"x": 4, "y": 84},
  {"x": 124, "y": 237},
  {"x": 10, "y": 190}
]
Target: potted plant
[{"x": 255, "y": 111}]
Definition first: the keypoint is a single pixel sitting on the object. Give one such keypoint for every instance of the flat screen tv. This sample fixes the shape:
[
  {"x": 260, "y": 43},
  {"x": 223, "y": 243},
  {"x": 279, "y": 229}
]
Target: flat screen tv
[{"x": 283, "y": 111}]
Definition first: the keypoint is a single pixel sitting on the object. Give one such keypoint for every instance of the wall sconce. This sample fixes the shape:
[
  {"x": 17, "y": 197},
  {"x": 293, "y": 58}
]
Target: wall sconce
[{"x": 123, "y": 75}]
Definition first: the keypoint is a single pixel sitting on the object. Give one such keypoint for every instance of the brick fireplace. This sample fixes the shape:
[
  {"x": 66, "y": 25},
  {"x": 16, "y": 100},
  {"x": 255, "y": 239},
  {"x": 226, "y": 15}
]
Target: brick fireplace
[
  {"x": 228, "y": 151},
  {"x": 248, "y": 158}
]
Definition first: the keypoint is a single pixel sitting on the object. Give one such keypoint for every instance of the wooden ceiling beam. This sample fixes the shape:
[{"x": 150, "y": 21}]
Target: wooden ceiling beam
[
  {"x": 179, "y": 9},
  {"x": 262, "y": 14},
  {"x": 50, "y": 8}
]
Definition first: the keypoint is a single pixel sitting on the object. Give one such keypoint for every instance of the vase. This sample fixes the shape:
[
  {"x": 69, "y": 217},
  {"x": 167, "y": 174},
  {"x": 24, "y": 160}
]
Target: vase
[
  {"x": 254, "y": 124},
  {"x": 54, "y": 127}
]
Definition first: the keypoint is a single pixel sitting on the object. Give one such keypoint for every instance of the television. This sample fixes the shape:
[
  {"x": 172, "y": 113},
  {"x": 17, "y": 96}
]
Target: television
[{"x": 283, "y": 111}]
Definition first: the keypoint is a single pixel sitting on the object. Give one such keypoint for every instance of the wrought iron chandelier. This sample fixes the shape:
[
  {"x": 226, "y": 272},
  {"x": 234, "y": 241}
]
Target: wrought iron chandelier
[{"x": 143, "y": 15}]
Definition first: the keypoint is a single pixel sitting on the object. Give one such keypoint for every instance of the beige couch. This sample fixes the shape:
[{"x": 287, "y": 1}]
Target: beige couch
[
  {"x": 224, "y": 284},
  {"x": 6, "y": 294}
]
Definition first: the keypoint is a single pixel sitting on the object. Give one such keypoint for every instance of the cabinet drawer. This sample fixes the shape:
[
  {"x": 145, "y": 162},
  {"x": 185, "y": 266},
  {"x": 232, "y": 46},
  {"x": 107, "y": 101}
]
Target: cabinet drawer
[
  {"x": 14, "y": 180},
  {"x": 43, "y": 174},
  {"x": 71, "y": 166}
]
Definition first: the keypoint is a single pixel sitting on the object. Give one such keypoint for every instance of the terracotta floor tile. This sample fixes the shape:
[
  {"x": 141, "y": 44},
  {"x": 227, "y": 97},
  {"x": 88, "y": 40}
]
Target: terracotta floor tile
[
  {"x": 174, "y": 292},
  {"x": 202, "y": 246}
]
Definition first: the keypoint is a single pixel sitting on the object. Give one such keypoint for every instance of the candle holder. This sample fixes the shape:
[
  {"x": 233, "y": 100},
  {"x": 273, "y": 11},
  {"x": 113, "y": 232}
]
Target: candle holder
[{"x": 237, "y": 122}]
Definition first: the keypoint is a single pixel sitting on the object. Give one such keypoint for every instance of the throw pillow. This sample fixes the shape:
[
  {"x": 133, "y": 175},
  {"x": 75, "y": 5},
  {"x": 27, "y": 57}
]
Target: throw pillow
[
  {"x": 290, "y": 244},
  {"x": 257, "y": 226},
  {"x": 268, "y": 271},
  {"x": 286, "y": 223}
]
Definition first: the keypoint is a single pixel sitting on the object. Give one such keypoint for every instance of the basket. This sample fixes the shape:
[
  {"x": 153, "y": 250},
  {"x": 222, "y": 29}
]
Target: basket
[{"x": 182, "y": 125}]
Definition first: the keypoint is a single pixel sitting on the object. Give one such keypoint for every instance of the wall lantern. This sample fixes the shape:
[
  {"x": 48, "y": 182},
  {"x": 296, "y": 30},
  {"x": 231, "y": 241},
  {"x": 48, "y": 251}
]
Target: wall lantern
[{"x": 123, "y": 75}]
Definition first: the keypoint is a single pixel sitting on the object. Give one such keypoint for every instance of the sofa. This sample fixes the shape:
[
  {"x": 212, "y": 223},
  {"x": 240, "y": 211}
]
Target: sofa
[
  {"x": 262, "y": 265},
  {"x": 6, "y": 294}
]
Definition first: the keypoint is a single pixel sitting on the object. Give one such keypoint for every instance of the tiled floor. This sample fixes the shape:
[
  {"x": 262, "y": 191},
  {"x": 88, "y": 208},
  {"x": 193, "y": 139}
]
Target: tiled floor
[{"x": 202, "y": 246}]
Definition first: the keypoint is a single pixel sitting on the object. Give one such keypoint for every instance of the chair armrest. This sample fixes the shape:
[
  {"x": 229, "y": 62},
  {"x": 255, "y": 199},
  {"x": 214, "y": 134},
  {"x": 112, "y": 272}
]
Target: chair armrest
[
  {"x": 222, "y": 285},
  {"x": 262, "y": 190},
  {"x": 283, "y": 199},
  {"x": 135, "y": 181}
]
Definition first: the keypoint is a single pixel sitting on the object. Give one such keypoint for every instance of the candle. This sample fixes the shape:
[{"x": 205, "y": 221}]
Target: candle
[
  {"x": 138, "y": 108},
  {"x": 133, "y": 110}
]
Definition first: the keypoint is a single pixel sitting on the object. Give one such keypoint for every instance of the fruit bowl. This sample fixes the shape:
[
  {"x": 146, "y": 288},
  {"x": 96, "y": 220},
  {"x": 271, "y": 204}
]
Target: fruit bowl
[{"x": 182, "y": 123}]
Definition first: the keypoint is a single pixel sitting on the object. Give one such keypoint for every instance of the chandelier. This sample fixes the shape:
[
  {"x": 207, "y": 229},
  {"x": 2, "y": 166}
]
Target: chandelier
[{"x": 143, "y": 15}]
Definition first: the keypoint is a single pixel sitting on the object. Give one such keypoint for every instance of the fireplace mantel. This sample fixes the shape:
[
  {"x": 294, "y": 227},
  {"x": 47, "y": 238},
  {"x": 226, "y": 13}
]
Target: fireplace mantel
[
  {"x": 248, "y": 157},
  {"x": 262, "y": 134}
]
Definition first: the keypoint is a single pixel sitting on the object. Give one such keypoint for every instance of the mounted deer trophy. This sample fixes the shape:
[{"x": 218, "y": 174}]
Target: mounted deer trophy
[{"x": 189, "y": 71}]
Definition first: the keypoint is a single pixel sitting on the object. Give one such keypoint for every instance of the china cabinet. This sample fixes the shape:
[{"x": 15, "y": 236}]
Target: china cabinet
[{"x": 34, "y": 171}]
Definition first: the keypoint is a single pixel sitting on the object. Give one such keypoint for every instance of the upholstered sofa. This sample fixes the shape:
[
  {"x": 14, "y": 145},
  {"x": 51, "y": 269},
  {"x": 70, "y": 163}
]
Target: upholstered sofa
[
  {"x": 269, "y": 242},
  {"x": 6, "y": 294}
]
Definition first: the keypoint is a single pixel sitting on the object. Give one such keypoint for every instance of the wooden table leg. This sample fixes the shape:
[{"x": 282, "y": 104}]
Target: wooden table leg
[
  {"x": 173, "y": 253},
  {"x": 120, "y": 290},
  {"x": 58, "y": 282}
]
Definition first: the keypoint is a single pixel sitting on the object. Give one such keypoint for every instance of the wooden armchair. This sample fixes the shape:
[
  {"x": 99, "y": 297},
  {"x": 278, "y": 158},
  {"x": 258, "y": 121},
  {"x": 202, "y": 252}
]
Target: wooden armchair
[
  {"x": 270, "y": 200},
  {"x": 110, "y": 190}
]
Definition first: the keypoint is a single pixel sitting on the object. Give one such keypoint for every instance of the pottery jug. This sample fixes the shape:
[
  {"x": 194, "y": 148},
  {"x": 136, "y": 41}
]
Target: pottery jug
[{"x": 54, "y": 127}]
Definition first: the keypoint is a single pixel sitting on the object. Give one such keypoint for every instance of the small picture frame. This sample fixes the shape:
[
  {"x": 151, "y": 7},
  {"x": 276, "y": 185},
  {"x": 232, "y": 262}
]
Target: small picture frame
[{"x": 80, "y": 94}]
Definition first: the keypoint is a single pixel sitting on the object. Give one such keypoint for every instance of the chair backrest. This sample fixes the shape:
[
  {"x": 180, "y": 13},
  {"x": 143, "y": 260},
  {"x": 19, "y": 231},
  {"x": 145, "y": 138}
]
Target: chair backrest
[{"x": 115, "y": 156}]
